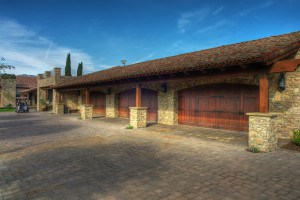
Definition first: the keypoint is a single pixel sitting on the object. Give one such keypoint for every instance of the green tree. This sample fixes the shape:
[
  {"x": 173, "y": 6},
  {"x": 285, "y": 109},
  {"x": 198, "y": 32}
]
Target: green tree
[
  {"x": 4, "y": 66},
  {"x": 79, "y": 69},
  {"x": 68, "y": 71}
]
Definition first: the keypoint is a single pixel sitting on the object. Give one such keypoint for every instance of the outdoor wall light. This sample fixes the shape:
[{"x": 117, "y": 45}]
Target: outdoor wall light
[
  {"x": 163, "y": 88},
  {"x": 281, "y": 82},
  {"x": 108, "y": 91}
]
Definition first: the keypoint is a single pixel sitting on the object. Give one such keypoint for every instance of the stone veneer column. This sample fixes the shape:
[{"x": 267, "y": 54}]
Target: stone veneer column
[
  {"x": 8, "y": 91},
  {"x": 138, "y": 117},
  {"x": 261, "y": 131},
  {"x": 59, "y": 108},
  {"x": 168, "y": 107},
  {"x": 86, "y": 111},
  {"x": 111, "y": 105},
  {"x": 56, "y": 100}
]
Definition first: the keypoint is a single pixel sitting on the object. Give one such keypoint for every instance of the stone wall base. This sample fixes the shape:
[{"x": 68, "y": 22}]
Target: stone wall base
[
  {"x": 59, "y": 109},
  {"x": 262, "y": 134},
  {"x": 86, "y": 111},
  {"x": 138, "y": 117}
]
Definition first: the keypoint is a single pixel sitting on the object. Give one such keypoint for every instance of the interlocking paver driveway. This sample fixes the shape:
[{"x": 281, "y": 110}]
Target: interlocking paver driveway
[{"x": 44, "y": 156}]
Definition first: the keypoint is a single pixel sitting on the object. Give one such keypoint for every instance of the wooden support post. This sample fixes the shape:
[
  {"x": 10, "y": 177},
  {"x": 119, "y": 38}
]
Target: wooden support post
[
  {"x": 264, "y": 94},
  {"x": 87, "y": 96},
  {"x": 138, "y": 96}
]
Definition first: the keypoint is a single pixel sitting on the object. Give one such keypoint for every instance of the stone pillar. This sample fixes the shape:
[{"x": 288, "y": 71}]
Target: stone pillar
[
  {"x": 8, "y": 92},
  {"x": 86, "y": 111},
  {"x": 39, "y": 76},
  {"x": 47, "y": 74},
  {"x": 138, "y": 117},
  {"x": 59, "y": 109},
  {"x": 57, "y": 72},
  {"x": 111, "y": 105},
  {"x": 56, "y": 102},
  {"x": 41, "y": 99},
  {"x": 262, "y": 135},
  {"x": 168, "y": 107}
]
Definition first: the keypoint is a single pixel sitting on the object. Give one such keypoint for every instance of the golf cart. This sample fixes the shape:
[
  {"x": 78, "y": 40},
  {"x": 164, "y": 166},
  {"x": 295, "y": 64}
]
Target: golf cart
[{"x": 22, "y": 107}]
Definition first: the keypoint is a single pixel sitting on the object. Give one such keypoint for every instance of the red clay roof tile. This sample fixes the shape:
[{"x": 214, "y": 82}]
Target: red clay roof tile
[
  {"x": 26, "y": 81},
  {"x": 256, "y": 51}
]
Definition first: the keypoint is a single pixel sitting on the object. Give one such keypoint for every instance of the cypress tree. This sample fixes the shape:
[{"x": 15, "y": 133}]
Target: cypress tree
[
  {"x": 68, "y": 66},
  {"x": 79, "y": 69}
]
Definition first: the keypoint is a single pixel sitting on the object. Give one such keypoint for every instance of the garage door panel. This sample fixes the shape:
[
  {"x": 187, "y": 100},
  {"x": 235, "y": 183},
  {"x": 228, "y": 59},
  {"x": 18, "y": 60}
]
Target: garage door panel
[
  {"x": 206, "y": 110},
  {"x": 251, "y": 104},
  {"x": 219, "y": 106},
  {"x": 229, "y": 121},
  {"x": 98, "y": 100},
  {"x": 126, "y": 100},
  {"x": 206, "y": 119}
]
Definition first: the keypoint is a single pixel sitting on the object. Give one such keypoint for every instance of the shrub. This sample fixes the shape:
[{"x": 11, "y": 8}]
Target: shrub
[
  {"x": 296, "y": 138},
  {"x": 254, "y": 149},
  {"x": 43, "y": 102},
  {"x": 8, "y": 106},
  {"x": 129, "y": 127}
]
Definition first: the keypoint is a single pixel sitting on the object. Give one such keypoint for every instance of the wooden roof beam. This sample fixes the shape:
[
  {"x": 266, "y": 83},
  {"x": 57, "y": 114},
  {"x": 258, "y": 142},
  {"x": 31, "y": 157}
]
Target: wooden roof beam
[{"x": 285, "y": 66}]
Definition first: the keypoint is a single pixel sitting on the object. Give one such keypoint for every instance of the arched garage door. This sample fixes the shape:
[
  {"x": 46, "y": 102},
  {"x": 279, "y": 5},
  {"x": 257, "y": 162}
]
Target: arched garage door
[
  {"x": 98, "y": 100},
  {"x": 222, "y": 106},
  {"x": 149, "y": 99}
]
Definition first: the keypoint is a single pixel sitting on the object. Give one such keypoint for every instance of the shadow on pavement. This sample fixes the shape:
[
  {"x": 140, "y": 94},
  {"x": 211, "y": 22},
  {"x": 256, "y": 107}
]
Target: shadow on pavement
[{"x": 75, "y": 171}]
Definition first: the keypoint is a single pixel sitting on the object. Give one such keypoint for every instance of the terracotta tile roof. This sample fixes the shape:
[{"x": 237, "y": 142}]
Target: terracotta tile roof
[
  {"x": 256, "y": 51},
  {"x": 26, "y": 81}
]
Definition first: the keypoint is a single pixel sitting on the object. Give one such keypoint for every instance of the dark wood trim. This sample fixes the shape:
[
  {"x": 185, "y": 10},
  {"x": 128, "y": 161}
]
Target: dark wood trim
[
  {"x": 138, "y": 96},
  {"x": 264, "y": 94},
  {"x": 285, "y": 66},
  {"x": 294, "y": 50}
]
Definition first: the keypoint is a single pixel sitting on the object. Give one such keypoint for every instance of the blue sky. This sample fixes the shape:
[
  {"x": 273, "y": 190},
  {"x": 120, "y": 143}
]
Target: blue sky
[{"x": 36, "y": 35}]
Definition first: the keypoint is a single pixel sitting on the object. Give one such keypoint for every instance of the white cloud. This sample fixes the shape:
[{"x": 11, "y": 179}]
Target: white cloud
[
  {"x": 217, "y": 11},
  {"x": 247, "y": 11},
  {"x": 189, "y": 18},
  {"x": 216, "y": 25},
  {"x": 31, "y": 53},
  {"x": 144, "y": 58},
  {"x": 193, "y": 20}
]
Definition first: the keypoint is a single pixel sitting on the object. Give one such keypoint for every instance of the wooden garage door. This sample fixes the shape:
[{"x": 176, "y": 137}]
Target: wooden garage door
[
  {"x": 222, "y": 106},
  {"x": 126, "y": 100},
  {"x": 98, "y": 100},
  {"x": 149, "y": 99}
]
